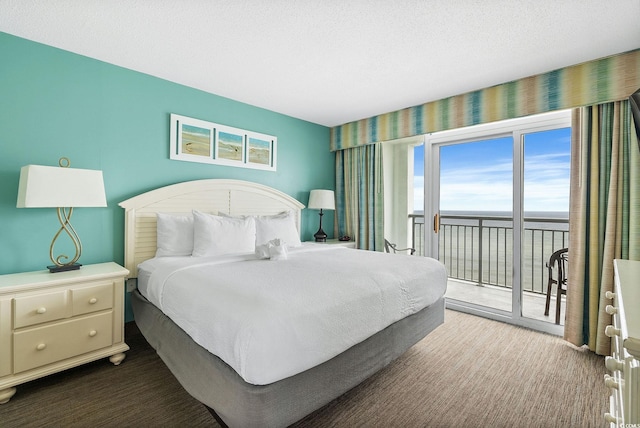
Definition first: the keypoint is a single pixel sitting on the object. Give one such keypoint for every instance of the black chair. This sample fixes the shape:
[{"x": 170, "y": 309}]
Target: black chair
[
  {"x": 389, "y": 247},
  {"x": 558, "y": 265}
]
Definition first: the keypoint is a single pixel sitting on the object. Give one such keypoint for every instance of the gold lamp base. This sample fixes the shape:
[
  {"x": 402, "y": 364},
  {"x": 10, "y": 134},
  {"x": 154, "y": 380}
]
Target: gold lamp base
[{"x": 64, "y": 216}]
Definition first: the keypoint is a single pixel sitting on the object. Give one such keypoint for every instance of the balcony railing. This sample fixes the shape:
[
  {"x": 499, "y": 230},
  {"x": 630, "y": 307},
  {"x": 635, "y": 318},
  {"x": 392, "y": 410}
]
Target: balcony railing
[{"x": 479, "y": 249}]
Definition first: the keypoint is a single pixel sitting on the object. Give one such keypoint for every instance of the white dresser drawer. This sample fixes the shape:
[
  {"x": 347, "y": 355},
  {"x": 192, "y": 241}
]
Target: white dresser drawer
[
  {"x": 92, "y": 299},
  {"x": 40, "y": 308},
  {"x": 44, "y": 345}
]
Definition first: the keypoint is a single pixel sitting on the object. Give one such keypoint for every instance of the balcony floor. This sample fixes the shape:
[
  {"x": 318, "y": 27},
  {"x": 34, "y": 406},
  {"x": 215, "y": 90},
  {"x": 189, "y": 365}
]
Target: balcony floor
[{"x": 500, "y": 298}]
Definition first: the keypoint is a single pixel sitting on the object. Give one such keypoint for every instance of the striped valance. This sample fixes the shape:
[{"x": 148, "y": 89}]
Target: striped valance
[{"x": 603, "y": 80}]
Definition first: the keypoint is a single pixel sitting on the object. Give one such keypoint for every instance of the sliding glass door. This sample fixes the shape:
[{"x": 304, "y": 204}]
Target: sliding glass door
[{"x": 498, "y": 202}]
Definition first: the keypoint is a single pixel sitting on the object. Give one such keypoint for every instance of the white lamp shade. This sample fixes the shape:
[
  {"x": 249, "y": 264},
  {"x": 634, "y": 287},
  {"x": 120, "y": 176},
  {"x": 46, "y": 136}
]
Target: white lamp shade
[
  {"x": 322, "y": 199},
  {"x": 53, "y": 187}
]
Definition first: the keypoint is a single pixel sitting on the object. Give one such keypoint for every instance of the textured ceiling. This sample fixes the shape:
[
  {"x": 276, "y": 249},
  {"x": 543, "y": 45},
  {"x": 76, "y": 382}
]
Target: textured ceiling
[{"x": 333, "y": 61}]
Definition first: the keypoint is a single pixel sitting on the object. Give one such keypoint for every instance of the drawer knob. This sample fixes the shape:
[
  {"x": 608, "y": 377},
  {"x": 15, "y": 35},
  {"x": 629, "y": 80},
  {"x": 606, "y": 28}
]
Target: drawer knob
[
  {"x": 611, "y": 331},
  {"x": 610, "y": 295},
  {"x": 610, "y": 382},
  {"x": 613, "y": 364},
  {"x": 41, "y": 346},
  {"x": 92, "y": 333},
  {"x": 41, "y": 310},
  {"x": 93, "y": 300},
  {"x": 609, "y": 418},
  {"x": 611, "y": 310}
]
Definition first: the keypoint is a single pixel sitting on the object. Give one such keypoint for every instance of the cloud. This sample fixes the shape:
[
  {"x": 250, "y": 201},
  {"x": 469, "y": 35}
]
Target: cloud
[
  {"x": 418, "y": 193},
  {"x": 487, "y": 186}
]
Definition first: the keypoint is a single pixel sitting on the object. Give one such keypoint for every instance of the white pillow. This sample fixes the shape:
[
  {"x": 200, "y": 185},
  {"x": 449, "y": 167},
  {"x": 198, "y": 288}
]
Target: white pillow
[
  {"x": 174, "y": 235},
  {"x": 280, "y": 226},
  {"x": 215, "y": 235}
]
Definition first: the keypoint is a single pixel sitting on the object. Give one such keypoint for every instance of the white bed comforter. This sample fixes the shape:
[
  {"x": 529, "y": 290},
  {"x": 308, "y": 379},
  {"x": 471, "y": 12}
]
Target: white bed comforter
[{"x": 273, "y": 319}]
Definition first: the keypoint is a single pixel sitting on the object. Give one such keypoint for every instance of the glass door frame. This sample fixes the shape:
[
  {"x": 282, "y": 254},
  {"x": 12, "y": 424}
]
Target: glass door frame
[{"x": 516, "y": 128}]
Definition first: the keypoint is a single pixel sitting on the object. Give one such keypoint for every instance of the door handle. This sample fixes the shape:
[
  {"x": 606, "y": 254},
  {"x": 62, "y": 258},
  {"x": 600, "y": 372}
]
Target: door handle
[{"x": 436, "y": 223}]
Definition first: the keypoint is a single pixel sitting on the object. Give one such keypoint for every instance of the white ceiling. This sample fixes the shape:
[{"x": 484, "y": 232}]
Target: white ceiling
[{"x": 332, "y": 61}]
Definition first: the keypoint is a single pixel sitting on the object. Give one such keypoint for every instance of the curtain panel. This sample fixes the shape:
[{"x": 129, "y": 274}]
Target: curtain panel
[
  {"x": 603, "y": 216},
  {"x": 360, "y": 196},
  {"x": 595, "y": 82}
]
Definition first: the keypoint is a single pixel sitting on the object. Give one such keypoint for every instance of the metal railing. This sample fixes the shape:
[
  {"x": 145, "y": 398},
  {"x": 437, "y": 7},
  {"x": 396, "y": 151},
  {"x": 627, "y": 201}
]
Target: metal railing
[{"x": 479, "y": 249}]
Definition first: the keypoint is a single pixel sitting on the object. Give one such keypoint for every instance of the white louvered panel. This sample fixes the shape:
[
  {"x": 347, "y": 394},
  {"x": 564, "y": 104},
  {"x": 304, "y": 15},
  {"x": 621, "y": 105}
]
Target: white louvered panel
[
  {"x": 145, "y": 239},
  {"x": 148, "y": 247},
  {"x": 145, "y": 231},
  {"x": 145, "y": 227}
]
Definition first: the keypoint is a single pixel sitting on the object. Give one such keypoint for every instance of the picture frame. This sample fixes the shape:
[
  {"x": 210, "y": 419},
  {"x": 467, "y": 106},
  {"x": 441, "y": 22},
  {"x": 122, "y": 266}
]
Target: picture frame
[
  {"x": 195, "y": 140},
  {"x": 230, "y": 145},
  {"x": 260, "y": 150}
]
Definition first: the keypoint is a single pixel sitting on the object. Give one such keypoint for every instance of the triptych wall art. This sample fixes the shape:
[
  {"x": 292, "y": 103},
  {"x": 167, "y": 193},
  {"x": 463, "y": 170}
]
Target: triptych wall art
[{"x": 195, "y": 140}]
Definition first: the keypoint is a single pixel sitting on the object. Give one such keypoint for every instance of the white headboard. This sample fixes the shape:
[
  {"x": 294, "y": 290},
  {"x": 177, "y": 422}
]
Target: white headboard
[{"x": 233, "y": 197}]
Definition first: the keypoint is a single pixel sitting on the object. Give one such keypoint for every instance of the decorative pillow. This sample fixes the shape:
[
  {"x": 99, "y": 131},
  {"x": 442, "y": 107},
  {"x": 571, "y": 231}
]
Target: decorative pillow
[
  {"x": 278, "y": 250},
  {"x": 262, "y": 251},
  {"x": 174, "y": 235},
  {"x": 280, "y": 226},
  {"x": 216, "y": 235}
]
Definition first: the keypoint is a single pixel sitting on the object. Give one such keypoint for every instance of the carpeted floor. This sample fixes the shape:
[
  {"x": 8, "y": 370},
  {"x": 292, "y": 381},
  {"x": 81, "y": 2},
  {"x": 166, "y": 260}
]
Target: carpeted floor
[{"x": 469, "y": 372}]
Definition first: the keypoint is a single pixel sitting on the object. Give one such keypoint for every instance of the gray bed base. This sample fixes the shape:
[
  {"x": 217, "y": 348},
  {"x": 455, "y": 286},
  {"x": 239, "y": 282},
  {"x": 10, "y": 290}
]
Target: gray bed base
[{"x": 240, "y": 404}]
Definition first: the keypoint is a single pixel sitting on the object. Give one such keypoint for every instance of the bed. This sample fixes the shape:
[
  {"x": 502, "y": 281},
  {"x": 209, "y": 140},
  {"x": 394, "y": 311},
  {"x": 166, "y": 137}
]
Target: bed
[{"x": 266, "y": 352}]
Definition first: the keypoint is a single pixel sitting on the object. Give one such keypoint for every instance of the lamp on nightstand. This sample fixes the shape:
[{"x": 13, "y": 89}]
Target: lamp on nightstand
[
  {"x": 63, "y": 188},
  {"x": 321, "y": 200}
]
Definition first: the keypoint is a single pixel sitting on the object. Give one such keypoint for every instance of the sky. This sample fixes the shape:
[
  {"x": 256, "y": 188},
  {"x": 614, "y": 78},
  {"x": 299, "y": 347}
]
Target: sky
[{"x": 477, "y": 176}]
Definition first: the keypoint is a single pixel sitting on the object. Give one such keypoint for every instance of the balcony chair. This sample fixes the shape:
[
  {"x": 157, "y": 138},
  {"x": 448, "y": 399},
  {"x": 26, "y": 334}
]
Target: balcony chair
[
  {"x": 557, "y": 264},
  {"x": 389, "y": 247}
]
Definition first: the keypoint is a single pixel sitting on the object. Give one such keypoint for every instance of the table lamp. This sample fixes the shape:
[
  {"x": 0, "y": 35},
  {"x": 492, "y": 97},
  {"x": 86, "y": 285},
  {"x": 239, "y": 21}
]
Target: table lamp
[
  {"x": 321, "y": 200},
  {"x": 63, "y": 188}
]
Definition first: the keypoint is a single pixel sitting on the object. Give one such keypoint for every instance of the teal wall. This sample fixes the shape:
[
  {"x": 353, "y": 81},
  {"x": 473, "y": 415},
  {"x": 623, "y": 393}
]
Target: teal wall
[{"x": 55, "y": 103}]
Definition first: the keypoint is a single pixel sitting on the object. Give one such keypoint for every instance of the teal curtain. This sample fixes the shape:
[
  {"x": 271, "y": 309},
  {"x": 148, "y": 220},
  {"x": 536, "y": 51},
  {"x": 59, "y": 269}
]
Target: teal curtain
[
  {"x": 604, "y": 216},
  {"x": 360, "y": 196}
]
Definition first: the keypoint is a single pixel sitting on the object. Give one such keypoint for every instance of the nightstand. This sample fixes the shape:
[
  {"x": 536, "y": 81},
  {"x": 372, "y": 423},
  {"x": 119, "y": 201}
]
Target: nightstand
[
  {"x": 50, "y": 322},
  {"x": 346, "y": 244}
]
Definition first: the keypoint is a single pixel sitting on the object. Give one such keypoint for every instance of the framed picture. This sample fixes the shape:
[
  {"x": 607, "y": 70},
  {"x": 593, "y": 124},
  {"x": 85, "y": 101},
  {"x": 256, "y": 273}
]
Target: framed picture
[
  {"x": 261, "y": 151},
  {"x": 195, "y": 140},
  {"x": 191, "y": 139},
  {"x": 230, "y": 145}
]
